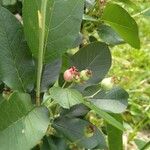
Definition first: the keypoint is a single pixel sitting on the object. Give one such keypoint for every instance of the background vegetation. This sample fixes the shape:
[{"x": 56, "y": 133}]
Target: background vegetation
[{"x": 132, "y": 68}]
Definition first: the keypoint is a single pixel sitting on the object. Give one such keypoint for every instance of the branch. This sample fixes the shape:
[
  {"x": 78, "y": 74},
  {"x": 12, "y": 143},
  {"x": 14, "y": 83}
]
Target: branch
[{"x": 41, "y": 18}]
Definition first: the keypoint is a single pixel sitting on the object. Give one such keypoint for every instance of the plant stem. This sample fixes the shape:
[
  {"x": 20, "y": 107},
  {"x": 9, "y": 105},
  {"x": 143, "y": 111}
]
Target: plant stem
[
  {"x": 141, "y": 12},
  {"x": 91, "y": 96},
  {"x": 42, "y": 18},
  {"x": 64, "y": 84}
]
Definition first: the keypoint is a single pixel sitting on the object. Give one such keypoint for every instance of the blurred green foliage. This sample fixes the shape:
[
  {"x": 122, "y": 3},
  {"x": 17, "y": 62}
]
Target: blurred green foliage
[{"x": 132, "y": 68}]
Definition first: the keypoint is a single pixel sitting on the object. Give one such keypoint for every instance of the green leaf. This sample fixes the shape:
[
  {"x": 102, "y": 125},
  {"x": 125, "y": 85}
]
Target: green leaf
[
  {"x": 78, "y": 40},
  {"x": 22, "y": 125},
  {"x": 63, "y": 21},
  {"x": 95, "y": 57},
  {"x": 17, "y": 68},
  {"x": 79, "y": 110},
  {"x": 108, "y": 118},
  {"x": 128, "y": 3},
  {"x": 54, "y": 143},
  {"x": 108, "y": 35},
  {"x": 65, "y": 97},
  {"x": 66, "y": 58},
  {"x": 115, "y": 140},
  {"x": 1, "y": 98},
  {"x": 50, "y": 74},
  {"x": 119, "y": 19},
  {"x": 146, "y": 146},
  {"x": 91, "y": 90},
  {"x": 8, "y": 2},
  {"x": 74, "y": 129},
  {"x": 140, "y": 143},
  {"x": 114, "y": 101}
]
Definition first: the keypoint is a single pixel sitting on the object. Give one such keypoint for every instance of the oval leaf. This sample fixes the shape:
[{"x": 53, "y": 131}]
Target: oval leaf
[
  {"x": 95, "y": 57},
  {"x": 22, "y": 126},
  {"x": 74, "y": 129},
  {"x": 65, "y": 97},
  {"x": 54, "y": 143},
  {"x": 17, "y": 68},
  {"x": 119, "y": 19},
  {"x": 79, "y": 110}
]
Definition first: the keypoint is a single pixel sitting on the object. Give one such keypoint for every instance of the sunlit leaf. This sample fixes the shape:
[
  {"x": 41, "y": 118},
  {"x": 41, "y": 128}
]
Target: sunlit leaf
[{"x": 120, "y": 20}]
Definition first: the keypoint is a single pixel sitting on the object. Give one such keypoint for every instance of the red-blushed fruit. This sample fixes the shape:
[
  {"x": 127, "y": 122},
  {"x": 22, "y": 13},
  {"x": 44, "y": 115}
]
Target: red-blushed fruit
[
  {"x": 70, "y": 74},
  {"x": 85, "y": 74}
]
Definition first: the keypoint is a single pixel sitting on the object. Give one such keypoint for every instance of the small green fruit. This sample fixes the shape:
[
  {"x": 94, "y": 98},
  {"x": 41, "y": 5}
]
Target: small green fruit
[
  {"x": 85, "y": 74},
  {"x": 107, "y": 83},
  {"x": 77, "y": 78}
]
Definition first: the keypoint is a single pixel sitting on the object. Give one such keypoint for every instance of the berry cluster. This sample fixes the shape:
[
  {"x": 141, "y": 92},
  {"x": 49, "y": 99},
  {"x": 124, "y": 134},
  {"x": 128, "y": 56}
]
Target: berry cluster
[{"x": 73, "y": 75}]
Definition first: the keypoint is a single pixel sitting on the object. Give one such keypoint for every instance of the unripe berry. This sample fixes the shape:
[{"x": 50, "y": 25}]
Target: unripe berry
[
  {"x": 107, "y": 83},
  {"x": 6, "y": 93},
  {"x": 85, "y": 74},
  {"x": 77, "y": 78}
]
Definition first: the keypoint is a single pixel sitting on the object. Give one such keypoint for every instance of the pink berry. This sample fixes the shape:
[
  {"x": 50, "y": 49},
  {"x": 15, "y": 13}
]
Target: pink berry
[{"x": 70, "y": 74}]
